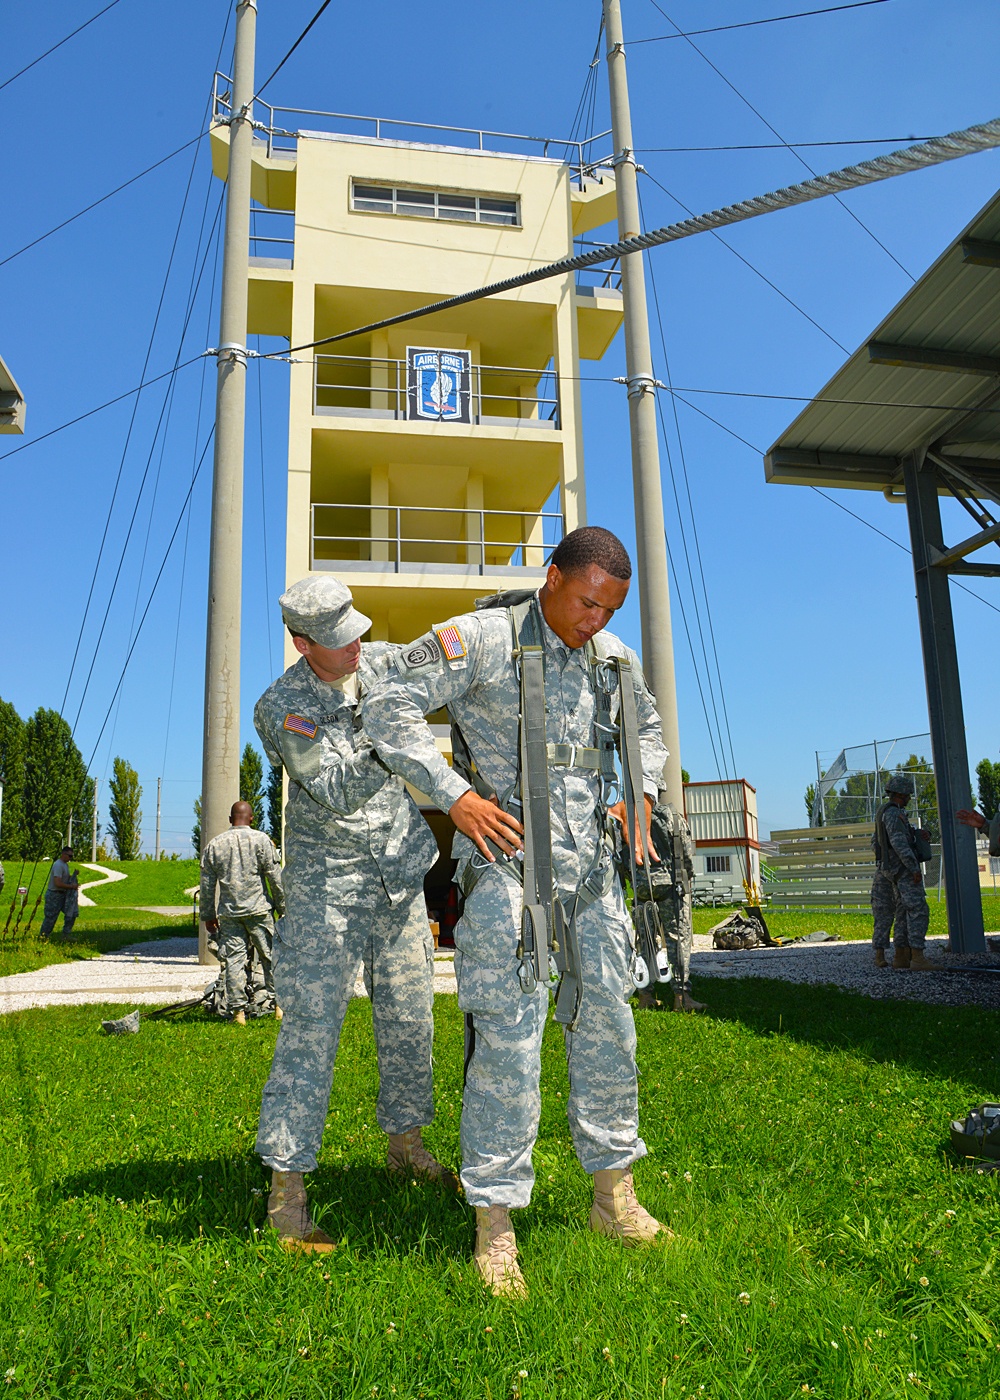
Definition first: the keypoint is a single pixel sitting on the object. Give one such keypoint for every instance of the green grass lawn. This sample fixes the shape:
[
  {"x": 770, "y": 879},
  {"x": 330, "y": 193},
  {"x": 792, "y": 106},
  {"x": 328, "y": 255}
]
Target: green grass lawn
[
  {"x": 147, "y": 882},
  {"x": 95, "y": 932},
  {"x": 828, "y": 1244},
  {"x": 853, "y": 924}
]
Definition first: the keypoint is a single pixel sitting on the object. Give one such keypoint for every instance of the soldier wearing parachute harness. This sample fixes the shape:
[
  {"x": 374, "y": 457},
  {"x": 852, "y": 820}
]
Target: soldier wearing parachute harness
[
  {"x": 538, "y": 695},
  {"x": 898, "y": 887}
]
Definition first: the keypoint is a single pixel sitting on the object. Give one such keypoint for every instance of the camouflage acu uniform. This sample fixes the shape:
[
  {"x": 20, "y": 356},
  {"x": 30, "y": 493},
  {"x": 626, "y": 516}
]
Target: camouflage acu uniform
[
  {"x": 895, "y": 896},
  {"x": 236, "y": 868},
  {"x": 467, "y": 666},
  {"x": 64, "y": 902},
  {"x": 672, "y": 882},
  {"x": 356, "y": 851}
]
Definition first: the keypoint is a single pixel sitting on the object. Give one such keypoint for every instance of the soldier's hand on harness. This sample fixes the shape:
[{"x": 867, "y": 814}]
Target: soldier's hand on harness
[
  {"x": 482, "y": 819},
  {"x": 620, "y": 815}
]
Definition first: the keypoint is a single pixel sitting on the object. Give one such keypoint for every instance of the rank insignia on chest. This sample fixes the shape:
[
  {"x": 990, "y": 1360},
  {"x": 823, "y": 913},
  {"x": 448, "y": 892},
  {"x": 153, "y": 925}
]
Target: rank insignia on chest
[
  {"x": 298, "y": 724},
  {"x": 451, "y": 643}
]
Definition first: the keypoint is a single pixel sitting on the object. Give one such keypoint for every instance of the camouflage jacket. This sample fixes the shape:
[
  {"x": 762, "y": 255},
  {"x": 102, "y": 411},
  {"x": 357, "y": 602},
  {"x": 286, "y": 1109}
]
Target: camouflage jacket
[
  {"x": 673, "y": 843},
  {"x": 236, "y": 868},
  {"x": 466, "y": 665},
  {"x": 896, "y": 851},
  {"x": 350, "y": 824}
]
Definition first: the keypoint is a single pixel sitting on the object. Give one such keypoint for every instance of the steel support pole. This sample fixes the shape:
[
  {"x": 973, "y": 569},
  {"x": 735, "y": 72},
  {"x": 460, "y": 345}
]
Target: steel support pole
[
  {"x": 159, "y": 790},
  {"x": 93, "y": 826},
  {"x": 654, "y": 585},
  {"x": 944, "y": 708},
  {"x": 221, "y": 744}
]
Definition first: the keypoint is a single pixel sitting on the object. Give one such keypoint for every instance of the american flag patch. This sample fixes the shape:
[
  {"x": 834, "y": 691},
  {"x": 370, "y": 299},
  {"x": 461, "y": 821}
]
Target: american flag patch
[
  {"x": 451, "y": 642},
  {"x": 298, "y": 724}
]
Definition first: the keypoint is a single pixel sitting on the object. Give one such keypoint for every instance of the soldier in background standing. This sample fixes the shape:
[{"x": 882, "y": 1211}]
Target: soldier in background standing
[
  {"x": 356, "y": 853},
  {"x": 62, "y": 895},
  {"x": 672, "y": 882},
  {"x": 898, "y": 887},
  {"x": 237, "y": 866}
]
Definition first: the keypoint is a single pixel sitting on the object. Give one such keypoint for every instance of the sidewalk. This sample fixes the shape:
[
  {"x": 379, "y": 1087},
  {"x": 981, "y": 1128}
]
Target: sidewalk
[{"x": 142, "y": 974}]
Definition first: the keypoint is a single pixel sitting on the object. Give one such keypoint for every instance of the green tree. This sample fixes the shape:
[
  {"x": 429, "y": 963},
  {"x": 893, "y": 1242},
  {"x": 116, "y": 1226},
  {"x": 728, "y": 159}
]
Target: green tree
[
  {"x": 12, "y": 746},
  {"x": 988, "y": 779},
  {"x": 274, "y": 803},
  {"x": 54, "y": 774},
  {"x": 685, "y": 776},
  {"x": 196, "y": 829},
  {"x": 809, "y": 797},
  {"x": 83, "y": 817},
  {"x": 252, "y": 782},
  {"x": 124, "y": 810},
  {"x": 923, "y": 807}
]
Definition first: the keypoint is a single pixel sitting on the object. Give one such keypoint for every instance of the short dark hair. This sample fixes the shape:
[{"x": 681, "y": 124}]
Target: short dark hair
[
  {"x": 592, "y": 544},
  {"x": 301, "y": 636}
]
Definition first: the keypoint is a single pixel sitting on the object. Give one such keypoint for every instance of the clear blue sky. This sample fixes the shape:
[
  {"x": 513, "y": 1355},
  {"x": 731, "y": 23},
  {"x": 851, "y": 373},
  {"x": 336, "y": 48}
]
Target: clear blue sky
[{"x": 813, "y": 614}]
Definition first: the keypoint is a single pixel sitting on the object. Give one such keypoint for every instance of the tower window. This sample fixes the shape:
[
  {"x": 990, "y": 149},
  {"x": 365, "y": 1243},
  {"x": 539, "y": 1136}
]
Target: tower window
[
  {"x": 718, "y": 865},
  {"x": 435, "y": 204}
]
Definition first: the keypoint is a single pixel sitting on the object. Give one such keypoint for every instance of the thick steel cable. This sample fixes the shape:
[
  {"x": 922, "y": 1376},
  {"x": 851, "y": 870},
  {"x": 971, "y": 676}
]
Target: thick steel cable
[{"x": 966, "y": 142}]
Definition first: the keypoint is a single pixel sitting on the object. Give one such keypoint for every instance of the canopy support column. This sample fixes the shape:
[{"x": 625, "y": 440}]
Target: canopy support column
[{"x": 944, "y": 706}]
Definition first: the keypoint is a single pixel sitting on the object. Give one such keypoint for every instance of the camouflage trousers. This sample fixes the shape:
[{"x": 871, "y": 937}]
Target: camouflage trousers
[
  {"x": 64, "y": 902},
  {"x": 678, "y": 928},
  {"x": 502, "y": 1102},
  {"x": 236, "y": 941},
  {"x": 315, "y": 968},
  {"x": 896, "y": 897}
]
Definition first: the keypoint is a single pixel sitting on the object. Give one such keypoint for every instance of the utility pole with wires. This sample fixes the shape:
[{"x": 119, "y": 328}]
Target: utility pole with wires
[
  {"x": 93, "y": 826},
  {"x": 159, "y": 789},
  {"x": 654, "y": 583},
  {"x": 220, "y": 781}
]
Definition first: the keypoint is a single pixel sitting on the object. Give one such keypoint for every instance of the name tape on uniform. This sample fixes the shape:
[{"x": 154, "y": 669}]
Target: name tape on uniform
[{"x": 298, "y": 724}]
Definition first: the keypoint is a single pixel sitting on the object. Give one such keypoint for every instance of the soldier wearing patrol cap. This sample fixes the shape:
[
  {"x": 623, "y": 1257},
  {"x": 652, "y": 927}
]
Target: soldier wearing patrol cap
[
  {"x": 356, "y": 851},
  {"x": 478, "y": 665},
  {"x": 898, "y": 887}
]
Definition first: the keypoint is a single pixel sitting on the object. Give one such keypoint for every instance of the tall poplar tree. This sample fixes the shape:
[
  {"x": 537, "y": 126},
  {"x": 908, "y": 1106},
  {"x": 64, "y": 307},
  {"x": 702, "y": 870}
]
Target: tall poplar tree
[
  {"x": 252, "y": 783},
  {"x": 12, "y": 743},
  {"x": 125, "y": 812},
  {"x": 54, "y": 776},
  {"x": 274, "y": 802}
]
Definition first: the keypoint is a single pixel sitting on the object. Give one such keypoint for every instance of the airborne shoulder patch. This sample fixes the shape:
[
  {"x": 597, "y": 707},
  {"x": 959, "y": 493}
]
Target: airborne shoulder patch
[
  {"x": 298, "y": 724},
  {"x": 423, "y": 653},
  {"x": 451, "y": 642}
]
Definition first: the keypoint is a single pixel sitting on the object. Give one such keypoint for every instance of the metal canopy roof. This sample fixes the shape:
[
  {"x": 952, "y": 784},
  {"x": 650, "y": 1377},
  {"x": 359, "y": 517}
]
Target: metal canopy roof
[{"x": 940, "y": 346}]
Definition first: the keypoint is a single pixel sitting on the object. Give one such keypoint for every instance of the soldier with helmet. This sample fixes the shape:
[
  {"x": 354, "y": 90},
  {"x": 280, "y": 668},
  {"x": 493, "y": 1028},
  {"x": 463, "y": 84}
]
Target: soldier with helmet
[
  {"x": 356, "y": 852},
  {"x": 898, "y": 887}
]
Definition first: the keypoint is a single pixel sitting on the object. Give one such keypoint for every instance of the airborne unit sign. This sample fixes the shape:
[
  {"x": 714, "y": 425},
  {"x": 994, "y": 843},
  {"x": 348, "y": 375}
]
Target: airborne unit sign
[{"x": 438, "y": 385}]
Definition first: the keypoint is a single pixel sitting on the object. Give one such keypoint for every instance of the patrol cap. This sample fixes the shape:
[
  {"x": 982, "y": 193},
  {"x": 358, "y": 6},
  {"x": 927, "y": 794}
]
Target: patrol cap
[
  {"x": 323, "y": 610},
  {"x": 900, "y": 782}
]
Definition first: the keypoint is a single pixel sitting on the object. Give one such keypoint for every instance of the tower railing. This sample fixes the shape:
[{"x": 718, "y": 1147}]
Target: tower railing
[
  {"x": 372, "y": 538},
  {"x": 272, "y": 123},
  {"x": 499, "y": 395}
]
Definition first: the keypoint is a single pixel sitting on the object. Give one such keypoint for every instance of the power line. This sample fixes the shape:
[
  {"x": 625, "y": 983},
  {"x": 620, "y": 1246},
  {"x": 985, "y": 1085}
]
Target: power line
[
  {"x": 752, "y": 23},
  {"x": 775, "y": 145},
  {"x": 747, "y": 263},
  {"x": 774, "y": 131},
  {"x": 72, "y": 35},
  {"x": 288, "y": 55},
  {"x": 109, "y": 403},
  {"x": 103, "y": 199}
]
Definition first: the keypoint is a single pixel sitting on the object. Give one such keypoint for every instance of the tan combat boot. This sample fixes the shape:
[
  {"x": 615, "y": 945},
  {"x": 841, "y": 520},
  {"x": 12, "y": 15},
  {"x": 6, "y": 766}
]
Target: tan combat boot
[
  {"x": 495, "y": 1256},
  {"x": 880, "y": 958},
  {"x": 684, "y": 1001},
  {"x": 617, "y": 1213},
  {"x": 278, "y": 1013},
  {"x": 901, "y": 959},
  {"x": 407, "y": 1156},
  {"x": 239, "y": 1018},
  {"x": 288, "y": 1214},
  {"x": 645, "y": 1000},
  {"x": 919, "y": 963}
]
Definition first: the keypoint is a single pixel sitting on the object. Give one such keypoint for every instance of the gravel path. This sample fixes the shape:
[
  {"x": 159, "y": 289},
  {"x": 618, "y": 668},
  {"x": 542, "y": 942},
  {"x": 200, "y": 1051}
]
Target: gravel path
[
  {"x": 851, "y": 966},
  {"x": 142, "y": 974}
]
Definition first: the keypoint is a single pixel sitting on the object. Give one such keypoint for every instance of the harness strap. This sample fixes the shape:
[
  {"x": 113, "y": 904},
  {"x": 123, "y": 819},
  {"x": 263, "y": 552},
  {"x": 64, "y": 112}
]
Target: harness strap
[
  {"x": 651, "y": 949},
  {"x": 574, "y": 756}
]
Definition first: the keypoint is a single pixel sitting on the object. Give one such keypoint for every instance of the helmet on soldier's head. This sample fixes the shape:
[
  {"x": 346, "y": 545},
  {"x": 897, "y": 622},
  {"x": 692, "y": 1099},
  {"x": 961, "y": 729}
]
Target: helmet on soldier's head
[{"x": 901, "y": 783}]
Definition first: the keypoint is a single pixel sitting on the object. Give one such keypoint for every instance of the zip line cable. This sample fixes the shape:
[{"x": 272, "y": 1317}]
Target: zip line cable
[
  {"x": 103, "y": 199},
  {"x": 775, "y": 145},
  {"x": 753, "y": 23},
  {"x": 774, "y": 131},
  {"x": 65, "y": 40},
  {"x": 968, "y": 141},
  {"x": 753, "y": 268},
  {"x": 288, "y": 55}
]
